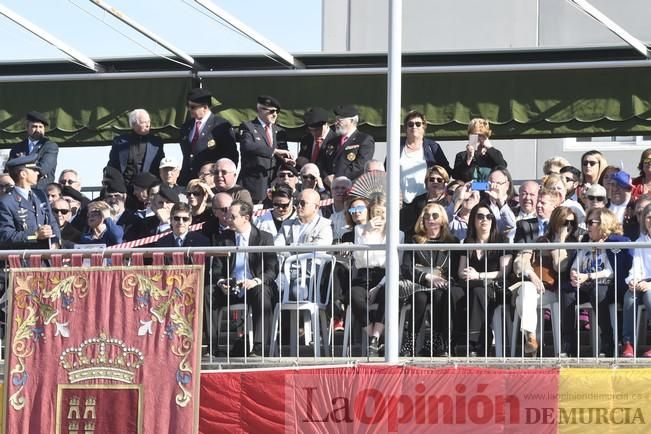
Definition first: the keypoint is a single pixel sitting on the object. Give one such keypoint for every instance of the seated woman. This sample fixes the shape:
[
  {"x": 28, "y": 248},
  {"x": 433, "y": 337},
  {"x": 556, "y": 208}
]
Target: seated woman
[
  {"x": 101, "y": 228},
  {"x": 367, "y": 287},
  {"x": 199, "y": 198},
  {"x": 557, "y": 183},
  {"x": 592, "y": 278},
  {"x": 481, "y": 273},
  {"x": 436, "y": 181},
  {"x": 426, "y": 281},
  {"x": 639, "y": 286},
  {"x": 538, "y": 273}
]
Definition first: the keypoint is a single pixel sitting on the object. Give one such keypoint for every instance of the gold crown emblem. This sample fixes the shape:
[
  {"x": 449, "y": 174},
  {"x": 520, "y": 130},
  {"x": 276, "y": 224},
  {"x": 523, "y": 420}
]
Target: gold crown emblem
[{"x": 101, "y": 358}]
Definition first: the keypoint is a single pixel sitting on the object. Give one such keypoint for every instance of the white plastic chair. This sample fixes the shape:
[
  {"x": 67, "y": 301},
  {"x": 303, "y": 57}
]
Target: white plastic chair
[
  {"x": 553, "y": 307},
  {"x": 310, "y": 273},
  {"x": 239, "y": 307}
]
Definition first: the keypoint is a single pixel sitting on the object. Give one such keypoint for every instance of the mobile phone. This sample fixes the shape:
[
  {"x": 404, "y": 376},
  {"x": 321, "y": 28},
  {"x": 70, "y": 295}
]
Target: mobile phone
[
  {"x": 479, "y": 186},
  {"x": 473, "y": 140}
]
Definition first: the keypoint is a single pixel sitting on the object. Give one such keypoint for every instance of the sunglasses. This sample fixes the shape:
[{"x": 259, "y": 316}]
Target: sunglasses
[
  {"x": 270, "y": 110},
  {"x": 596, "y": 198},
  {"x": 194, "y": 193},
  {"x": 568, "y": 180},
  {"x": 308, "y": 177},
  {"x": 594, "y": 222},
  {"x": 590, "y": 163},
  {"x": 60, "y": 211},
  {"x": 433, "y": 216},
  {"x": 647, "y": 161},
  {"x": 281, "y": 205},
  {"x": 285, "y": 175},
  {"x": 416, "y": 124},
  {"x": 436, "y": 180},
  {"x": 222, "y": 209},
  {"x": 302, "y": 203},
  {"x": 67, "y": 182},
  {"x": 179, "y": 219},
  {"x": 569, "y": 222},
  {"x": 357, "y": 209},
  {"x": 481, "y": 216}
]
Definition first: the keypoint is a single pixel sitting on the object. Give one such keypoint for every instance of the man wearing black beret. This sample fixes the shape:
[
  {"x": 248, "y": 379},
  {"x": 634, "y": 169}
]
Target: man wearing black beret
[
  {"x": 319, "y": 132},
  {"x": 263, "y": 145},
  {"x": 205, "y": 137},
  {"x": 346, "y": 154},
  {"x": 37, "y": 144}
]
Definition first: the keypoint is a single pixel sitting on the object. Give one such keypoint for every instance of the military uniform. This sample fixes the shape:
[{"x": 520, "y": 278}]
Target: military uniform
[
  {"x": 20, "y": 218},
  {"x": 347, "y": 159}
]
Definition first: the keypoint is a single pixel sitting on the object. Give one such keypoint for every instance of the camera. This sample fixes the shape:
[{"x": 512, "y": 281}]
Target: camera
[{"x": 233, "y": 287}]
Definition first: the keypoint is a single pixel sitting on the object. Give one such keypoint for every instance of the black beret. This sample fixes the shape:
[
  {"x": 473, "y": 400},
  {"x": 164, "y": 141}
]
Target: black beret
[
  {"x": 75, "y": 194},
  {"x": 288, "y": 168},
  {"x": 315, "y": 117},
  {"x": 111, "y": 173},
  {"x": 25, "y": 160},
  {"x": 37, "y": 117},
  {"x": 268, "y": 101},
  {"x": 346, "y": 111},
  {"x": 200, "y": 96},
  {"x": 115, "y": 185},
  {"x": 144, "y": 180},
  {"x": 169, "y": 194}
]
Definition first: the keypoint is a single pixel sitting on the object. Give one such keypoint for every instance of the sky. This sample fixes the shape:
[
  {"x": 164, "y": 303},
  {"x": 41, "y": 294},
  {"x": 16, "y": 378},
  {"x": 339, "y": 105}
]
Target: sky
[{"x": 294, "y": 25}]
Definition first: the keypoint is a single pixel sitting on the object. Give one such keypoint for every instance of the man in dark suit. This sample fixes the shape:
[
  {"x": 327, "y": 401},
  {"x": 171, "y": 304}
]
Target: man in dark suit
[
  {"x": 258, "y": 284},
  {"x": 346, "y": 154},
  {"x": 528, "y": 230},
  {"x": 319, "y": 132},
  {"x": 205, "y": 137},
  {"x": 37, "y": 144},
  {"x": 26, "y": 219},
  {"x": 138, "y": 151},
  {"x": 263, "y": 146},
  {"x": 181, "y": 219}
]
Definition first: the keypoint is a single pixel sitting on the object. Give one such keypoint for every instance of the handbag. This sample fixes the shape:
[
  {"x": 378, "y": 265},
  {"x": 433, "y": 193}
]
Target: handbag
[{"x": 544, "y": 269}]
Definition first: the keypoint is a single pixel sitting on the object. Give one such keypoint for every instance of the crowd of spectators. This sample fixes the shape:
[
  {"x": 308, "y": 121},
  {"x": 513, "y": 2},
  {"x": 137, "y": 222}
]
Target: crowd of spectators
[{"x": 266, "y": 195}]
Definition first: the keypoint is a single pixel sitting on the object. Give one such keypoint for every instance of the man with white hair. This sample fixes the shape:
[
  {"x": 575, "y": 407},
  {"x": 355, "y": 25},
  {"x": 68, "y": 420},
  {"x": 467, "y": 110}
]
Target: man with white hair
[
  {"x": 346, "y": 154},
  {"x": 139, "y": 151},
  {"x": 224, "y": 177}
]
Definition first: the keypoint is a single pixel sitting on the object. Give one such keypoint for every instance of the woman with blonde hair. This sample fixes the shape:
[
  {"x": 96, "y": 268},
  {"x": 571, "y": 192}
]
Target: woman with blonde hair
[
  {"x": 199, "y": 198},
  {"x": 101, "y": 229}
]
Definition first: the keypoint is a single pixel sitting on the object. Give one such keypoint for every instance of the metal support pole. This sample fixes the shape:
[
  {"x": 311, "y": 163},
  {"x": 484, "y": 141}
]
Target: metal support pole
[{"x": 394, "y": 93}]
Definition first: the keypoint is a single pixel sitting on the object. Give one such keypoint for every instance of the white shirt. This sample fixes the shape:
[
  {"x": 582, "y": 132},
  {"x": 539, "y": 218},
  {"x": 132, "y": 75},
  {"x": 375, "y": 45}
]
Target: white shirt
[
  {"x": 413, "y": 169},
  {"x": 242, "y": 269},
  {"x": 641, "y": 268}
]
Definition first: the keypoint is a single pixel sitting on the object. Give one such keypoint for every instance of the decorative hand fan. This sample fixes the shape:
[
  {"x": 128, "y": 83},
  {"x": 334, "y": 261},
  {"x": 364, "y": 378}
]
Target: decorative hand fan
[{"x": 369, "y": 184}]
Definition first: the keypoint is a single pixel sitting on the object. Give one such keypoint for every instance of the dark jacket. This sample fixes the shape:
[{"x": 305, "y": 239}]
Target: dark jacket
[
  {"x": 48, "y": 153},
  {"x": 119, "y": 154},
  {"x": 479, "y": 167},
  {"x": 348, "y": 160}
]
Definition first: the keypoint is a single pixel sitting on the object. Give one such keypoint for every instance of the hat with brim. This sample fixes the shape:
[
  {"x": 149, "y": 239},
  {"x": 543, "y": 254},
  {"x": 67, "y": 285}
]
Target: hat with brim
[
  {"x": 346, "y": 111},
  {"x": 623, "y": 180},
  {"x": 71, "y": 192},
  {"x": 596, "y": 190},
  {"x": 315, "y": 117},
  {"x": 269, "y": 101},
  {"x": 29, "y": 161},
  {"x": 200, "y": 96},
  {"x": 37, "y": 117}
]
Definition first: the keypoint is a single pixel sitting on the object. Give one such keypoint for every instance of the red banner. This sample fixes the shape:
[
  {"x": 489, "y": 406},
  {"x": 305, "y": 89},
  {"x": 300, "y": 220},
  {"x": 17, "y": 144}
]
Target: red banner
[{"x": 104, "y": 350}]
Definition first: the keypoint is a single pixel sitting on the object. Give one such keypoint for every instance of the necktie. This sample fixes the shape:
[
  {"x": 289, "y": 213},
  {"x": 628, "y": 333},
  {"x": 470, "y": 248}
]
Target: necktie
[
  {"x": 544, "y": 227},
  {"x": 179, "y": 241},
  {"x": 315, "y": 149},
  {"x": 341, "y": 143},
  {"x": 195, "y": 136},
  {"x": 270, "y": 137}
]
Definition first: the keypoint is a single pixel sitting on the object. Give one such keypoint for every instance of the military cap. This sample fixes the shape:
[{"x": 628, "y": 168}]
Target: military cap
[
  {"x": 346, "y": 111},
  {"x": 75, "y": 194},
  {"x": 37, "y": 117},
  {"x": 200, "y": 96},
  {"x": 315, "y": 117},
  {"x": 144, "y": 180},
  {"x": 115, "y": 185},
  {"x": 169, "y": 194},
  {"x": 288, "y": 168},
  {"x": 25, "y": 160},
  {"x": 268, "y": 101}
]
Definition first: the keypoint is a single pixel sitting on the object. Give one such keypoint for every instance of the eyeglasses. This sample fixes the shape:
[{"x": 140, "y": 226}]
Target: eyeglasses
[
  {"x": 646, "y": 161},
  {"x": 596, "y": 198},
  {"x": 357, "y": 209},
  {"x": 569, "y": 222},
  {"x": 568, "y": 179},
  {"x": 281, "y": 205},
  {"x": 285, "y": 175},
  {"x": 303, "y": 203},
  {"x": 416, "y": 124},
  {"x": 308, "y": 177},
  {"x": 594, "y": 222},
  {"x": 204, "y": 174},
  {"x": 113, "y": 196},
  {"x": 222, "y": 172},
  {"x": 436, "y": 180},
  {"x": 68, "y": 182},
  {"x": 194, "y": 193},
  {"x": 271, "y": 111},
  {"x": 589, "y": 163},
  {"x": 222, "y": 209},
  {"x": 179, "y": 219},
  {"x": 481, "y": 216},
  {"x": 60, "y": 211},
  {"x": 433, "y": 216}
]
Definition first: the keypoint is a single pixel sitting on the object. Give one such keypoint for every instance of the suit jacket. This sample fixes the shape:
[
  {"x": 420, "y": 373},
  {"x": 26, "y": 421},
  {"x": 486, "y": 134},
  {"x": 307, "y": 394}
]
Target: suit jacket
[
  {"x": 291, "y": 232},
  {"x": 526, "y": 231},
  {"x": 20, "y": 219},
  {"x": 307, "y": 143},
  {"x": 258, "y": 161},
  {"x": 225, "y": 265},
  {"x": 347, "y": 161},
  {"x": 119, "y": 154},
  {"x": 48, "y": 153},
  {"x": 217, "y": 140},
  {"x": 192, "y": 239}
]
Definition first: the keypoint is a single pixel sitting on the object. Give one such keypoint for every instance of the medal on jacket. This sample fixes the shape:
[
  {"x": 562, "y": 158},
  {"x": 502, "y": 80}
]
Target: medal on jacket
[
  {"x": 211, "y": 144},
  {"x": 22, "y": 217}
]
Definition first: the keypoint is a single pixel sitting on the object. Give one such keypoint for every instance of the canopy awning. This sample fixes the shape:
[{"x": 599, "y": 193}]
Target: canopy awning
[{"x": 593, "y": 98}]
